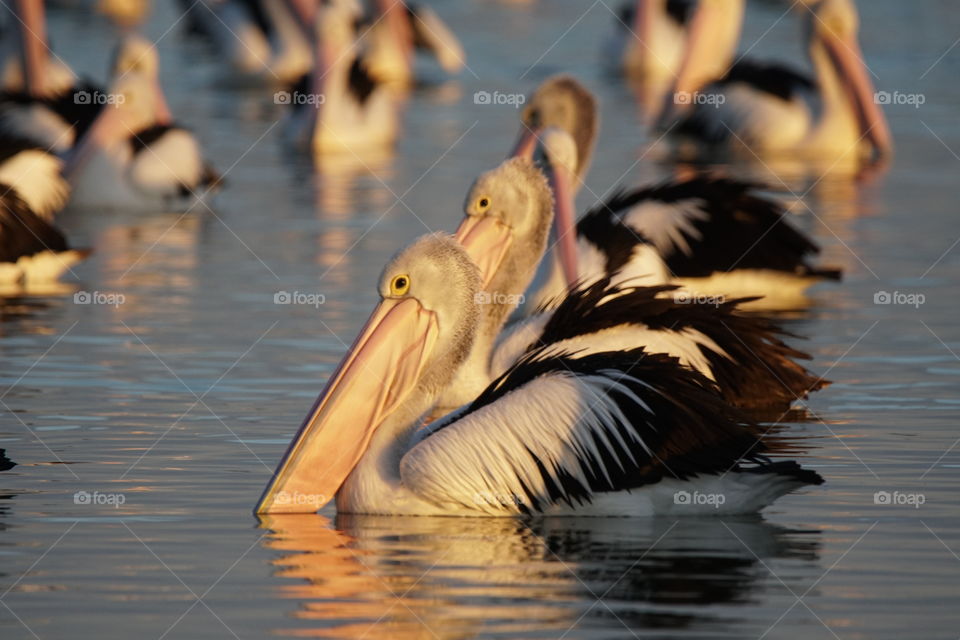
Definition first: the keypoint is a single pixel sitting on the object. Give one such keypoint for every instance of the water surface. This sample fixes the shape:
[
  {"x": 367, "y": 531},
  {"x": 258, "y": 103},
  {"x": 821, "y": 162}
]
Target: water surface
[{"x": 179, "y": 401}]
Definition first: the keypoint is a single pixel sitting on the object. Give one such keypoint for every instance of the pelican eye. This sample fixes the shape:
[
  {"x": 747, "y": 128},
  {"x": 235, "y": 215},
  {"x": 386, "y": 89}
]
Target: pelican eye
[
  {"x": 483, "y": 204},
  {"x": 399, "y": 285}
]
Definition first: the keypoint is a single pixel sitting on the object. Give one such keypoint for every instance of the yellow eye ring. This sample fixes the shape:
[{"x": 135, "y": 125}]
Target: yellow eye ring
[
  {"x": 483, "y": 203},
  {"x": 400, "y": 285}
]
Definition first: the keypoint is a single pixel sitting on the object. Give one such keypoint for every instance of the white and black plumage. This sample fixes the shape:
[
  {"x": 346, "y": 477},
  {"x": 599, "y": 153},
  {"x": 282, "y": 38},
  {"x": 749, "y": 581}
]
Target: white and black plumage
[
  {"x": 509, "y": 213},
  {"x": 133, "y": 155},
  {"x": 260, "y": 40},
  {"x": 713, "y": 236},
  {"x": 609, "y": 434},
  {"x": 41, "y": 98},
  {"x": 346, "y": 108},
  {"x": 743, "y": 354},
  {"x": 32, "y": 250},
  {"x": 34, "y": 172},
  {"x": 652, "y": 38},
  {"x": 769, "y": 109},
  {"x": 395, "y": 30},
  {"x": 56, "y": 120}
]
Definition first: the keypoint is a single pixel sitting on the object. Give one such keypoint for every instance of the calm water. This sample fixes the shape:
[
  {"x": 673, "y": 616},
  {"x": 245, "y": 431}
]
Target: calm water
[{"x": 180, "y": 400}]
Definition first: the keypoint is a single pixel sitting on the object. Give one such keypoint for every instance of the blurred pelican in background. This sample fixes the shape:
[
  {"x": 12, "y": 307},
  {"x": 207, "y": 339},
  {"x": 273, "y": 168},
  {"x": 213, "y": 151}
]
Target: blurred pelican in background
[
  {"x": 395, "y": 30},
  {"x": 41, "y": 98},
  {"x": 339, "y": 107},
  {"x": 653, "y": 39},
  {"x": 767, "y": 109},
  {"x": 133, "y": 155}
]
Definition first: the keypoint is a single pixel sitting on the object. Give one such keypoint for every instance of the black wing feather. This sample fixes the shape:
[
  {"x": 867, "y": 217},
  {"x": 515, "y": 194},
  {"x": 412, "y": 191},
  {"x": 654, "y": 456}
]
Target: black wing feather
[
  {"x": 22, "y": 232},
  {"x": 759, "y": 370},
  {"x": 740, "y": 231}
]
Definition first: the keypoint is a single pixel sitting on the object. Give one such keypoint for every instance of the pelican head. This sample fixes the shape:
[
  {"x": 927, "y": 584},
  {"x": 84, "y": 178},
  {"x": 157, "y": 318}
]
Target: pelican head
[
  {"x": 411, "y": 346},
  {"x": 135, "y": 54},
  {"x": 508, "y": 214},
  {"x": 562, "y": 102},
  {"x": 833, "y": 25}
]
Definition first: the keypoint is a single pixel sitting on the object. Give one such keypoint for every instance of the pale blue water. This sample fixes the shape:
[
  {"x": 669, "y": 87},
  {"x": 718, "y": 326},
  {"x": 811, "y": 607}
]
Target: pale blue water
[{"x": 182, "y": 399}]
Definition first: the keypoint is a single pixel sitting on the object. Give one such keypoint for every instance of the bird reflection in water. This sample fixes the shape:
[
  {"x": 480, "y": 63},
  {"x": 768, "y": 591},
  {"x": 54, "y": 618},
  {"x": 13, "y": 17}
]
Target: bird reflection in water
[{"x": 421, "y": 577}]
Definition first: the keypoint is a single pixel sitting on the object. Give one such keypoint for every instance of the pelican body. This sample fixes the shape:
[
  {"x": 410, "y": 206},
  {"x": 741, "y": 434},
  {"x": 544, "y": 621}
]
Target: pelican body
[
  {"x": 768, "y": 109},
  {"x": 616, "y": 433}
]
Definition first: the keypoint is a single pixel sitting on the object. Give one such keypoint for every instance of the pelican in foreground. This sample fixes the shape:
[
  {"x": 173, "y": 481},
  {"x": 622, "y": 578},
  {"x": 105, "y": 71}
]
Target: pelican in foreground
[
  {"x": 759, "y": 108},
  {"x": 609, "y": 434},
  {"x": 133, "y": 155},
  {"x": 509, "y": 212}
]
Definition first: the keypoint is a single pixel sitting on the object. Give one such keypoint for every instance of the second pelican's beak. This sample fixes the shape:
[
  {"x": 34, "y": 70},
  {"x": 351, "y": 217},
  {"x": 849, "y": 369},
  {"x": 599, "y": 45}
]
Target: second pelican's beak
[
  {"x": 564, "y": 221},
  {"x": 377, "y": 374},
  {"x": 486, "y": 240},
  {"x": 846, "y": 55},
  {"x": 526, "y": 143}
]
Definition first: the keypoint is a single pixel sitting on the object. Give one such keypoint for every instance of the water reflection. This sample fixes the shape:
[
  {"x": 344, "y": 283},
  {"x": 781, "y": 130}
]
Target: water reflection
[{"x": 453, "y": 578}]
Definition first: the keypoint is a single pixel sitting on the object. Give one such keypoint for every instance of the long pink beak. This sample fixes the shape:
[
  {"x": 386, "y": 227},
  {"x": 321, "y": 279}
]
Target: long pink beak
[
  {"x": 33, "y": 45},
  {"x": 487, "y": 241},
  {"x": 699, "y": 53},
  {"x": 848, "y": 59},
  {"x": 526, "y": 143},
  {"x": 376, "y": 376},
  {"x": 644, "y": 19},
  {"x": 564, "y": 222},
  {"x": 106, "y": 128}
]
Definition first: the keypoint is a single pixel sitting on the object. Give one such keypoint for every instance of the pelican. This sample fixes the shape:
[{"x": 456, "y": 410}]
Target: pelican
[
  {"x": 261, "y": 40},
  {"x": 345, "y": 109},
  {"x": 132, "y": 155},
  {"x": 41, "y": 98},
  {"x": 35, "y": 174},
  {"x": 27, "y": 68},
  {"x": 651, "y": 40},
  {"x": 508, "y": 216},
  {"x": 396, "y": 29},
  {"x": 32, "y": 250},
  {"x": 759, "y": 108},
  {"x": 712, "y": 236},
  {"x": 608, "y": 434}
]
